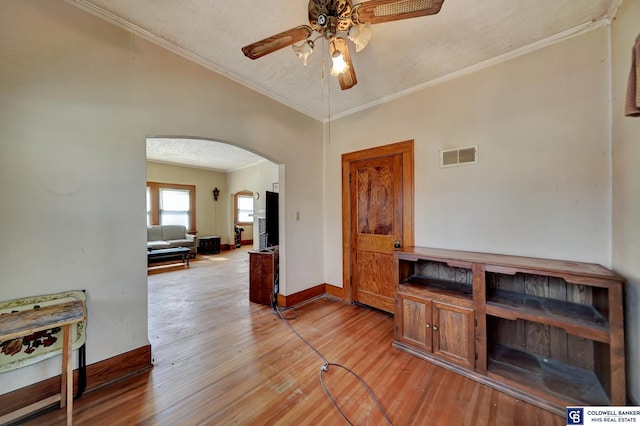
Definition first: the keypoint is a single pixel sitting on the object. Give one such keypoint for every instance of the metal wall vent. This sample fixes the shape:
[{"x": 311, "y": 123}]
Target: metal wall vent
[{"x": 459, "y": 156}]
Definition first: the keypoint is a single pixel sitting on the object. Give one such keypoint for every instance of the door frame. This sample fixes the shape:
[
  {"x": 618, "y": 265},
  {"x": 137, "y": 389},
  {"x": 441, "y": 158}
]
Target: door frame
[{"x": 405, "y": 149}]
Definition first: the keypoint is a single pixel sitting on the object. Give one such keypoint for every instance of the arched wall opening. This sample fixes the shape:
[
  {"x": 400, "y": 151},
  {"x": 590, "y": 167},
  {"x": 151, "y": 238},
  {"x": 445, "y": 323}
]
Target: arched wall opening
[
  {"x": 229, "y": 168},
  {"x": 211, "y": 165}
]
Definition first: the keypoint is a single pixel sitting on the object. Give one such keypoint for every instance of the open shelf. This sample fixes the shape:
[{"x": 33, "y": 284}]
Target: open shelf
[
  {"x": 549, "y": 332},
  {"x": 538, "y": 374},
  {"x": 581, "y": 320},
  {"x": 418, "y": 285}
]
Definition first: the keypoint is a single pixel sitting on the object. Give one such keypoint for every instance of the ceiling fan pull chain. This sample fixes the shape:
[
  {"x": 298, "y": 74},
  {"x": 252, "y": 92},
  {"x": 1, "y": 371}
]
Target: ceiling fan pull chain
[
  {"x": 322, "y": 73},
  {"x": 322, "y": 82}
]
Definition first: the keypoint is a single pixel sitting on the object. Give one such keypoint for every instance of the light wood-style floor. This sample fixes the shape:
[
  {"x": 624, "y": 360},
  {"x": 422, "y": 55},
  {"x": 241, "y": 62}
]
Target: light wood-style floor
[{"x": 221, "y": 360}]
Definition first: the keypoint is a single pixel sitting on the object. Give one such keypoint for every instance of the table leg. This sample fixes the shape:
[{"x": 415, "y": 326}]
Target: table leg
[{"x": 66, "y": 390}]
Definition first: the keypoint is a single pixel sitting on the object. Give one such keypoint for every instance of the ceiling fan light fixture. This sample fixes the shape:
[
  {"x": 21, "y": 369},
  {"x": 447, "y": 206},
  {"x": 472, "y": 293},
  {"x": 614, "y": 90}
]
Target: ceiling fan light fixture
[
  {"x": 328, "y": 18},
  {"x": 339, "y": 65},
  {"x": 303, "y": 50},
  {"x": 360, "y": 35}
]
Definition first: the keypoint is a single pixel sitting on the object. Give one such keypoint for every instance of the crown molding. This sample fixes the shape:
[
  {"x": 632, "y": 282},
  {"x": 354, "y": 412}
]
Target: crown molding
[
  {"x": 565, "y": 35},
  {"x": 139, "y": 31},
  {"x": 613, "y": 9}
]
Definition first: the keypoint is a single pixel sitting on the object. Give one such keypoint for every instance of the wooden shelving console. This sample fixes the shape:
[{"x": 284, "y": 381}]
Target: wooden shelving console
[{"x": 549, "y": 332}]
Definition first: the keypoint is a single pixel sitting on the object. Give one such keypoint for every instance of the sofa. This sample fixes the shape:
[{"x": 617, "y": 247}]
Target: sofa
[{"x": 169, "y": 236}]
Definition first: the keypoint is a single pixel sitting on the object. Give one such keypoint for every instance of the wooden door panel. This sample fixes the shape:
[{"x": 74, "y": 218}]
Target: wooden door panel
[
  {"x": 415, "y": 322},
  {"x": 375, "y": 243},
  {"x": 453, "y": 338},
  {"x": 374, "y": 272},
  {"x": 375, "y": 197}
]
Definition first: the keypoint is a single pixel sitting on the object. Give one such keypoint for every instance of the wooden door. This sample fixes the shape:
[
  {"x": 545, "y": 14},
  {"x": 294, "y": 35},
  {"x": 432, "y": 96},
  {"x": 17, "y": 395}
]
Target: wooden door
[
  {"x": 453, "y": 333},
  {"x": 377, "y": 217}
]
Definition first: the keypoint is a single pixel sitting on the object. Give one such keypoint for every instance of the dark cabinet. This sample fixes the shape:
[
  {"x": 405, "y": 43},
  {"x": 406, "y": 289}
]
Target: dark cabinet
[
  {"x": 263, "y": 267},
  {"x": 209, "y": 245}
]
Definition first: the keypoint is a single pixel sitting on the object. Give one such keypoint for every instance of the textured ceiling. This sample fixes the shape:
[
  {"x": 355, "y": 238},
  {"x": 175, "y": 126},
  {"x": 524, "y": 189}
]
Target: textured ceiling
[
  {"x": 402, "y": 57},
  {"x": 200, "y": 153}
]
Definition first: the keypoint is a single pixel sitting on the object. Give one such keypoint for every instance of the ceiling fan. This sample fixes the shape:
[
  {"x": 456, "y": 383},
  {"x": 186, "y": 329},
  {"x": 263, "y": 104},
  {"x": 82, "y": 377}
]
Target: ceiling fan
[{"x": 330, "y": 18}]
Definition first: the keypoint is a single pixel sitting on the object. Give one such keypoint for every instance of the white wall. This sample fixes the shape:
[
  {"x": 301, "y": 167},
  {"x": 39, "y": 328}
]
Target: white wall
[
  {"x": 626, "y": 185},
  {"x": 216, "y": 217},
  {"x": 78, "y": 97},
  {"x": 211, "y": 216},
  {"x": 542, "y": 184}
]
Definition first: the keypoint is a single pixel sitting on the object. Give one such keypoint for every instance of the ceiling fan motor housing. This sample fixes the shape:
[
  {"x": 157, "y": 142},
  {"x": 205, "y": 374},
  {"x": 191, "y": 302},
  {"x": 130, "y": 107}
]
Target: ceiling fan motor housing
[{"x": 328, "y": 17}]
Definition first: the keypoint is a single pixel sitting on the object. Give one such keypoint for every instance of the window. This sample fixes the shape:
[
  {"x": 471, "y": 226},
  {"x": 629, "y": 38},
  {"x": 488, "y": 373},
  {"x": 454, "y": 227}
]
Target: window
[
  {"x": 174, "y": 207},
  {"x": 244, "y": 208},
  {"x": 171, "y": 204}
]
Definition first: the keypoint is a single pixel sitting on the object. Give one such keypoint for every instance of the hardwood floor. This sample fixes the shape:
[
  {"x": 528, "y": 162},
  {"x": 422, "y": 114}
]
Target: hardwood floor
[{"x": 220, "y": 360}]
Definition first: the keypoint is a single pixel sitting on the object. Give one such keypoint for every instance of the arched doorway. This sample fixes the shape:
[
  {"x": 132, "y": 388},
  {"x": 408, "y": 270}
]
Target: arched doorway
[{"x": 209, "y": 166}]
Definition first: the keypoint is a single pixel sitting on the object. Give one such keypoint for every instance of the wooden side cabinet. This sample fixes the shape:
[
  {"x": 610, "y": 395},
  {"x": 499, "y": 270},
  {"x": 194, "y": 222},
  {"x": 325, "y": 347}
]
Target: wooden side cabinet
[
  {"x": 262, "y": 276},
  {"x": 548, "y": 332}
]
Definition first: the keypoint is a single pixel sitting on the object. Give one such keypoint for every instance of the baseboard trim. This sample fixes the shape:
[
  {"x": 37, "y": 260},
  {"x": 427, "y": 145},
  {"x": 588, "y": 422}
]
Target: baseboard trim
[
  {"x": 334, "y": 291},
  {"x": 310, "y": 293},
  {"x": 99, "y": 374},
  {"x": 301, "y": 296}
]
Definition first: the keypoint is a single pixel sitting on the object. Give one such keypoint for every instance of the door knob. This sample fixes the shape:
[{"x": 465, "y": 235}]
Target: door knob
[
  {"x": 428, "y": 325},
  {"x": 396, "y": 245},
  {"x": 435, "y": 328}
]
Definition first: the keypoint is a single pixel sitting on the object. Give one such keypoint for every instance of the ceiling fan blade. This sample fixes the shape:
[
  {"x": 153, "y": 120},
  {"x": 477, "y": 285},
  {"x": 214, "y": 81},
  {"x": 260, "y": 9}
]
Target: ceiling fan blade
[
  {"x": 348, "y": 78},
  {"x": 378, "y": 11},
  {"x": 276, "y": 42}
]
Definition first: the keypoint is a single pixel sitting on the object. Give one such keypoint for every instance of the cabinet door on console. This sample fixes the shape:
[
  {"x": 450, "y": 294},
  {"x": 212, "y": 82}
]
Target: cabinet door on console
[
  {"x": 414, "y": 324},
  {"x": 453, "y": 333}
]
